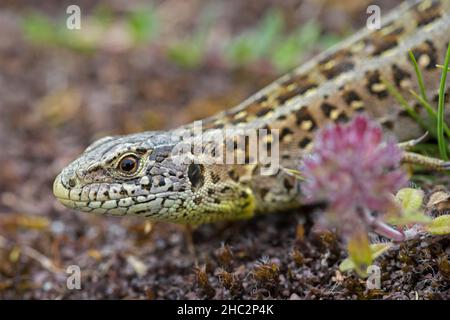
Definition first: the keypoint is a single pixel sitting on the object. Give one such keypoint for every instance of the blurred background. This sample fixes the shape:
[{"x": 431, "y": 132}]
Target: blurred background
[{"x": 135, "y": 66}]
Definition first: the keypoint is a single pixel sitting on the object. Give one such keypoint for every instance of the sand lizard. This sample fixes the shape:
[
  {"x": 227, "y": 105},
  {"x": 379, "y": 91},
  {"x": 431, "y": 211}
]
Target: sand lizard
[{"x": 135, "y": 174}]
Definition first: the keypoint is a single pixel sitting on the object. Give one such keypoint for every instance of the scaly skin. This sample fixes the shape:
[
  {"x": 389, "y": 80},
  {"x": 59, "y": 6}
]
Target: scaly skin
[{"x": 330, "y": 88}]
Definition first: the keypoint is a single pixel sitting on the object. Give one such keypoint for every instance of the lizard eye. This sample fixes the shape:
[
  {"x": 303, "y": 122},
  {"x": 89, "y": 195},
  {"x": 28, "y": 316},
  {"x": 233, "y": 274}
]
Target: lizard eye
[{"x": 128, "y": 164}]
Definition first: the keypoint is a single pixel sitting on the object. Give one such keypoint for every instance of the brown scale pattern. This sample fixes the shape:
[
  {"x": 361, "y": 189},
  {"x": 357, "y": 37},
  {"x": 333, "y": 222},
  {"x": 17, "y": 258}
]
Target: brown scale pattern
[
  {"x": 428, "y": 12},
  {"x": 298, "y": 103}
]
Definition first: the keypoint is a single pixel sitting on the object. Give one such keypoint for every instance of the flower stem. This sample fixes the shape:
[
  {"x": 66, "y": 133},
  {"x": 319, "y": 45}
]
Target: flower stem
[{"x": 381, "y": 228}]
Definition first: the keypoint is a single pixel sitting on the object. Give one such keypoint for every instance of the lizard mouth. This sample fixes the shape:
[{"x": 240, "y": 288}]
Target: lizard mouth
[
  {"x": 145, "y": 205},
  {"x": 59, "y": 190},
  {"x": 62, "y": 193}
]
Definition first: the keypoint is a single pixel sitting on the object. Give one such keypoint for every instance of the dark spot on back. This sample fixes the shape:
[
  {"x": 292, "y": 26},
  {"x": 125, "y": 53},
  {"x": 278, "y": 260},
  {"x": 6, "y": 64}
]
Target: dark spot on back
[
  {"x": 303, "y": 115},
  {"x": 373, "y": 79},
  {"x": 240, "y": 120},
  {"x": 301, "y": 85},
  {"x": 282, "y": 99},
  {"x": 327, "y": 109},
  {"x": 225, "y": 189},
  {"x": 427, "y": 15},
  {"x": 342, "y": 117},
  {"x": 352, "y": 99},
  {"x": 338, "y": 69},
  {"x": 284, "y": 132},
  {"x": 399, "y": 75},
  {"x": 263, "y": 111},
  {"x": 261, "y": 99},
  {"x": 336, "y": 64},
  {"x": 383, "y": 42},
  {"x": 215, "y": 177},
  {"x": 304, "y": 142},
  {"x": 233, "y": 175},
  {"x": 427, "y": 48}
]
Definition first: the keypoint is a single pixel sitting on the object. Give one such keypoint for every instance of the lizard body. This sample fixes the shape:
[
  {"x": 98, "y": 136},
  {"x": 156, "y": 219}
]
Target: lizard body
[{"x": 137, "y": 174}]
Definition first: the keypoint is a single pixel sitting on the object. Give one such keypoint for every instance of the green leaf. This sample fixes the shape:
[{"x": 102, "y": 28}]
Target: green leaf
[
  {"x": 409, "y": 198},
  {"x": 103, "y": 15},
  {"x": 377, "y": 249},
  {"x": 240, "y": 50},
  {"x": 411, "y": 201},
  {"x": 360, "y": 253},
  {"x": 142, "y": 24},
  {"x": 269, "y": 33},
  {"x": 186, "y": 54},
  {"x": 404, "y": 103},
  {"x": 309, "y": 33},
  {"x": 410, "y": 218},
  {"x": 346, "y": 265},
  {"x": 329, "y": 40},
  {"x": 439, "y": 225},
  {"x": 440, "y": 114},
  {"x": 39, "y": 29},
  {"x": 287, "y": 54},
  {"x": 431, "y": 112}
]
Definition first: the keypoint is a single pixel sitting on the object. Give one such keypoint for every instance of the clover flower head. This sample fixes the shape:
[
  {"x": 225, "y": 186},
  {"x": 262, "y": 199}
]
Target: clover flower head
[{"x": 352, "y": 168}]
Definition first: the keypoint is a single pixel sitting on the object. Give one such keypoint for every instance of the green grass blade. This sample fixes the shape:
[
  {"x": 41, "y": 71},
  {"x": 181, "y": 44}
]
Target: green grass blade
[
  {"x": 398, "y": 96},
  {"x": 419, "y": 76},
  {"x": 440, "y": 114},
  {"x": 430, "y": 110}
]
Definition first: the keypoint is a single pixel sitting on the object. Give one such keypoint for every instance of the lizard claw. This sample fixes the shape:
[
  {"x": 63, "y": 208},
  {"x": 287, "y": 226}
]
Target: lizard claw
[{"x": 411, "y": 143}]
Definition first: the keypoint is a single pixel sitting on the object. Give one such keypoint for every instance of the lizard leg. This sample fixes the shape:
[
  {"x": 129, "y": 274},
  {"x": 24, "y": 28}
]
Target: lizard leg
[
  {"x": 424, "y": 161},
  {"x": 421, "y": 160}
]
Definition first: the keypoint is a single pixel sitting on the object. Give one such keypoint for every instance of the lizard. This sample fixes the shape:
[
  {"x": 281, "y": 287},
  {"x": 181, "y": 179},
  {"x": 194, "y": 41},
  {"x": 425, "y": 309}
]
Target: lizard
[{"x": 137, "y": 173}]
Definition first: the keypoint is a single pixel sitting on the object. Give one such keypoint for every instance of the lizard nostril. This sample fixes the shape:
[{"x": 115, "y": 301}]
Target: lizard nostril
[{"x": 72, "y": 182}]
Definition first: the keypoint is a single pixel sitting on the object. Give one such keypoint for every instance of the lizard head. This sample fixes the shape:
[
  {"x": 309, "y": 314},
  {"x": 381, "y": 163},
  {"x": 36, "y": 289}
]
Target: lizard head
[{"x": 139, "y": 174}]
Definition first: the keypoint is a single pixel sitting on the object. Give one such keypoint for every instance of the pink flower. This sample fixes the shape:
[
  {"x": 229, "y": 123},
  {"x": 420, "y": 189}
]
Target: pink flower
[{"x": 354, "y": 170}]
